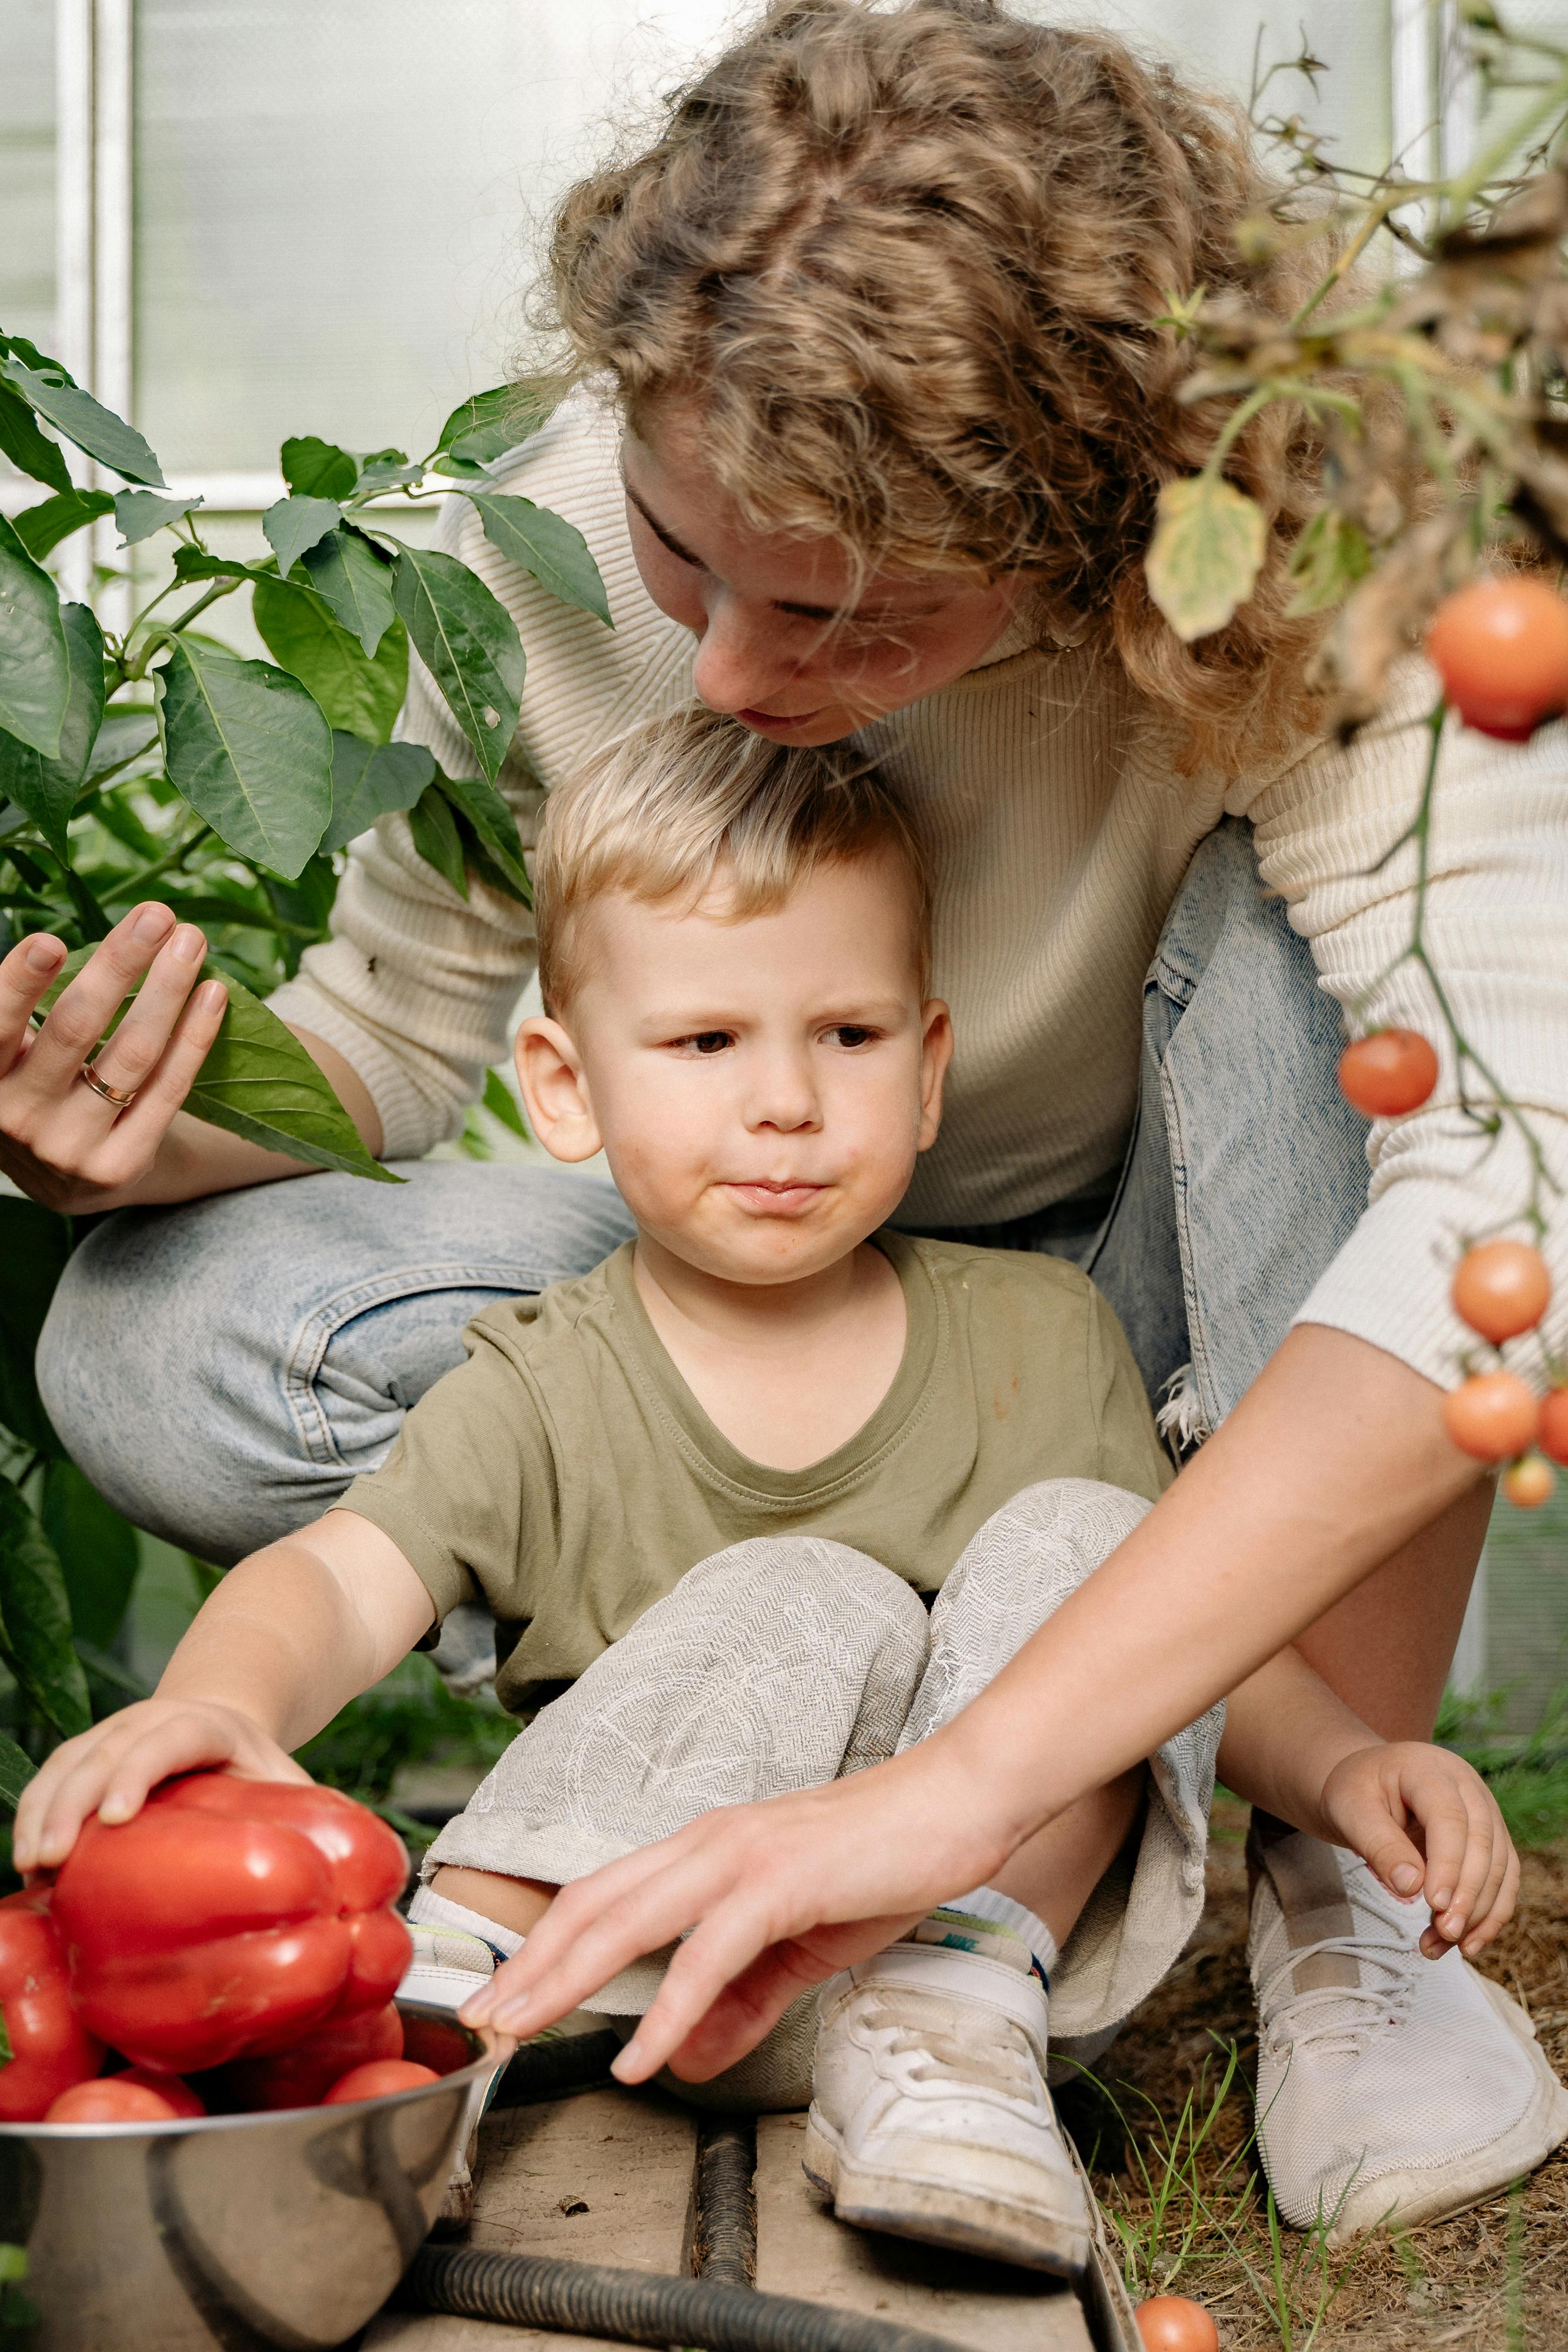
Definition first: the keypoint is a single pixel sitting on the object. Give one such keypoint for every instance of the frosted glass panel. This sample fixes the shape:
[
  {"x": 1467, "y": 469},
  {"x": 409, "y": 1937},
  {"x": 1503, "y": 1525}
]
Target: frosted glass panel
[{"x": 27, "y": 169}]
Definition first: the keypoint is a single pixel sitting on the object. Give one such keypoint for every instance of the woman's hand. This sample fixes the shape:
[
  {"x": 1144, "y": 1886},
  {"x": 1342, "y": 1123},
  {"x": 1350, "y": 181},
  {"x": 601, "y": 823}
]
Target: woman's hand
[
  {"x": 776, "y": 1896},
  {"x": 111, "y": 1769},
  {"x": 60, "y": 1141},
  {"x": 1426, "y": 1824}
]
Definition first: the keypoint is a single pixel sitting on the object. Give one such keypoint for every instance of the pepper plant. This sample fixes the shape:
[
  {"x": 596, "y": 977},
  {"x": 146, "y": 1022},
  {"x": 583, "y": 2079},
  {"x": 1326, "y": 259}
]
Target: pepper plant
[{"x": 153, "y": 761}]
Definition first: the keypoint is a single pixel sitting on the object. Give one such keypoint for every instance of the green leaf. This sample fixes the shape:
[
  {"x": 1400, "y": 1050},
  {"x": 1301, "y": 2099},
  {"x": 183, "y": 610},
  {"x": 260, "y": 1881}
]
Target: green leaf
[
  {"x": 30, "y": 451},
  {"x": 81, "y": 419},
  {"x": 139, "y": 513},
  {"x": 98, "y": 1551},
  {"x": 250, "y": 749},
  {"x": 6, "y": 2054},
  {"x": 496, "y": 829},
  {"x": 196, "y": 564},
  {"x": 16, "y": 1770},
  {"x": 362, "y": 698},
  {"x": 385, "y": 469},
  {"x": 259, "y": 1082},
  {"x": 41, "y": 527},
  {"x": 372, "y": 781},
  {"x": 294, "y": 524},
  {"x": 1331, "y": 555},
  {"x": 47, "y": 789},
  {"x": 1206, "y": 555},
  {"x": 34, "y": 662},
  {"x": 502, "y": 1104},
  {"x": 13, "y": 2258},
  {"x": 36, "y": 1618},
  {"x": 34, "y": 1247},
  {"x": 318, "y": 469},
  {"x": 545, "y": 544},
  {"x": 354, "y": 582},
  {"x": 468, "y": 642},
  {"x": 489, "y": 424},
  {"x": 434, "y": 830}
]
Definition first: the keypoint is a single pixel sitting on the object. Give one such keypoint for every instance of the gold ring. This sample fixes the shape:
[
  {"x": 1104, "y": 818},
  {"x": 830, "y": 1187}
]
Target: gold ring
[{"x": 108, "y": 1093}]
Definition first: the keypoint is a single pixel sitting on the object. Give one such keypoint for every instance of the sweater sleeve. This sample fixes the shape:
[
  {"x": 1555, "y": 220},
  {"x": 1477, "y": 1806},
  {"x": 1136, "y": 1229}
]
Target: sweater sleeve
[
  {"x": 1497, "y": 931},
  {"x": 415, "y": 987}
]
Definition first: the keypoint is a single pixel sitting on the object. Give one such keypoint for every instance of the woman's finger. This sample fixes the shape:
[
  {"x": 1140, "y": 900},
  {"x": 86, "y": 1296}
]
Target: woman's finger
[
  {"x": 129, "y": 1059},
  {"x": 727, "y": 1945},
  {"x": 25, "y": 974},
  {"x": 140, "y": 1129},
  {"x": 87, "y": 1005}
]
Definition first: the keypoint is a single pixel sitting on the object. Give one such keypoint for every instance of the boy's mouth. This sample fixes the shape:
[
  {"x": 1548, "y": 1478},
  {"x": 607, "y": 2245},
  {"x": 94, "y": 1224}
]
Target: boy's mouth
[{"x": 770, "y": 1199}]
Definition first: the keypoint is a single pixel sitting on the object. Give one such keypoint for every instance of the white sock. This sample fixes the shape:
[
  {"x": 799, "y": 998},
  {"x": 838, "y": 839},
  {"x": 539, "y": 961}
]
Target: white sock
[
  {"x": 429, "y": 1909},
  {"x": 985, "y": 1903}
]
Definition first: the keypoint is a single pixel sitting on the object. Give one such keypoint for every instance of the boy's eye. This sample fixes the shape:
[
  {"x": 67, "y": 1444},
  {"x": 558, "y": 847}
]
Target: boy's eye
[
  {"x": 707, "y": 1040},
  {"x": 850, "y": 1034}
]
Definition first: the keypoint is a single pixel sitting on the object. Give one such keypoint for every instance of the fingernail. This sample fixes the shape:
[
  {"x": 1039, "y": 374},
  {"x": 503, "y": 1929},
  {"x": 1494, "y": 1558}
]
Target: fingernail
[
  {"x": 1406, "y": 1878},
  {"x": 44, "y": 954},
  {"x": 476, "y": 2009},
  {"x": 212, "y": 997},
  {"x": 188, "y": 944},
  {"x": 1441, "y": 1900},
  {"x": 113, "y": 1809},
  {"x": 152, "y": 923},
  {"x": 631, "y": 2057}
]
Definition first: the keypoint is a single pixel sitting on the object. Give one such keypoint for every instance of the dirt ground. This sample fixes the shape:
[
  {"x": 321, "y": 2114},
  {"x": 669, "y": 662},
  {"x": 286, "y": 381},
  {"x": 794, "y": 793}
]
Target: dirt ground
[{"x": 1493, "y": 2280}]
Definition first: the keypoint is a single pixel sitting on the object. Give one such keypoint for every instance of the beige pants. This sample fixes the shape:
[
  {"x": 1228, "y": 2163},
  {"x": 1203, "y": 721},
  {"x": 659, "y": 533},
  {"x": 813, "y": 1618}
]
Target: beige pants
[{"x": 789, "y": 1661}]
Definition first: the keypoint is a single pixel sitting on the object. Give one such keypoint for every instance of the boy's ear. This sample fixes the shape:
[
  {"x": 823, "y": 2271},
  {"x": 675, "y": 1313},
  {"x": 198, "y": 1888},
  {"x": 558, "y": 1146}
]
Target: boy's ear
[
  {"x": 936, "y": 1053},
  {"x": 555, "y": 1092}
]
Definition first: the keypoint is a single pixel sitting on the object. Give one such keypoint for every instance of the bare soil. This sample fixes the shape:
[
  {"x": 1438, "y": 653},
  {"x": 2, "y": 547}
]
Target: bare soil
[{"x": 1492, "y": 2279}]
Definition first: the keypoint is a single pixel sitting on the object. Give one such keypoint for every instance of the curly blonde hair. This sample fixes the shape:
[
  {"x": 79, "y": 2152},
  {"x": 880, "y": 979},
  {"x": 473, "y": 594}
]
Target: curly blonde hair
[{"x": 906, "y": 261}]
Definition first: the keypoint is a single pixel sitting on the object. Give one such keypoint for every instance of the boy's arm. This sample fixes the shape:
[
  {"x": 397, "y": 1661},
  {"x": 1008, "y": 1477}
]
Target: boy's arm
[{"x": 288, "y": 1637}]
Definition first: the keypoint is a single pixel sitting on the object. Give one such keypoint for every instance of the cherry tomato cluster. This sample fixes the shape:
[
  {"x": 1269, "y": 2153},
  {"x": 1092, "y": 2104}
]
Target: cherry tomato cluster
[
  {"x": 1503, "y": 1289},
  {"x": 1500, "y": 648}
]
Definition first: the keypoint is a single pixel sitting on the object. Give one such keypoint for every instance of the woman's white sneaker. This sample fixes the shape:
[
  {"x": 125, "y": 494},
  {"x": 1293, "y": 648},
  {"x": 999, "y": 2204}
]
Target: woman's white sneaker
[
  {"x": 930, "y": 2116},
  {"x": 1389, "y": 2086}
]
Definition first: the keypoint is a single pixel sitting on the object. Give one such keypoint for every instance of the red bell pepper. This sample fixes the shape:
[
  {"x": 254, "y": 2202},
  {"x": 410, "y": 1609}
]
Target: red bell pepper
[
  {"x": 43, "y": 2047},
  {"x": 230, "y": 1917}
]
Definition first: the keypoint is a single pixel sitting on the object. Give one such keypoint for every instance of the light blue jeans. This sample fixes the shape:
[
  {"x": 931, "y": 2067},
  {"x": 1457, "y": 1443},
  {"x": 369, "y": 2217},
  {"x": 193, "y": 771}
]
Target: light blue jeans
[{"x": 221, "y": 1370}]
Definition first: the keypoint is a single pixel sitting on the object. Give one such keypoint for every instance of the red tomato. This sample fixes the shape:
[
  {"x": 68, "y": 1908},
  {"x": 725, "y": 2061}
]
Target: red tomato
[
  {"x": 111, "y": 2100},
  {"x": 177, "y": 2094},
  {"x": 302, "y": 2076},
  {"x": 47, "y": 2047},
  {"x": 1170, "y": 2323},
  {"x": 229, "y": 1918},
  {"x": 1500, "y": 648},
  {"x": 430, "y": 2042},
  {"x": 1529, "y": 1484},
  {"x": 1502, "y": 1288},
  {"x": 1387, "y": 1073},
  {"x": 1553, "y": 1432},
  {"x": 378, "y": 2081},
  {"x": 1493, "y": 1415}
]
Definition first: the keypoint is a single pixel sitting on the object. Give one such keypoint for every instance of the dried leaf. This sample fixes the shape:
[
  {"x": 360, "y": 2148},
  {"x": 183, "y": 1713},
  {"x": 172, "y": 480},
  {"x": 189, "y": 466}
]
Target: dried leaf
[
  {"x": 1207, "y": 550},
  {"x": 1385, "y": 616}
]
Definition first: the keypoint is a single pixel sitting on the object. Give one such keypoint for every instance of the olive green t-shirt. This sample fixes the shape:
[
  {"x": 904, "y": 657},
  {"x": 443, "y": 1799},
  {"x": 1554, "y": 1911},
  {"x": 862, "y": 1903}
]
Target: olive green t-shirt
[{"x": 567, "y": 1474}]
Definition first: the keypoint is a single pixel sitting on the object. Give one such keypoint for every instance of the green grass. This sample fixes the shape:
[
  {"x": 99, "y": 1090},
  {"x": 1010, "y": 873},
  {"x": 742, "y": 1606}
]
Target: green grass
[{"x": 1528, "y": 1776}]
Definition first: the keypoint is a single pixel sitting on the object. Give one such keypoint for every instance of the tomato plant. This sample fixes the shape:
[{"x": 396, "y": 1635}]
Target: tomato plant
[
  {"x": 1388, "y": 1074},
  {"x": 1493, "y": 1415},
  {"x": 379, "y": 2080},
  {"x": 1500, "y": 648},
  {"x": 1502, "y": 1288},
  {"x": 1530, "y": 1483}
]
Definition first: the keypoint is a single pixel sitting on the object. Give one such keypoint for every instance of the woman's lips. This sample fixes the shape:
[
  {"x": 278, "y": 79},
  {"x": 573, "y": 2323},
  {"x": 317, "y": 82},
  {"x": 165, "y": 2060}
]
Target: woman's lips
[{"x": 778, "y": 718}]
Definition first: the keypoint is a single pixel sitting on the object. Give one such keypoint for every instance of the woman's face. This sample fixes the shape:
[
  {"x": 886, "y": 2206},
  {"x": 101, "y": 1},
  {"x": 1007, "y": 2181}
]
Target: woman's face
[{"x": 789, "y": 641}]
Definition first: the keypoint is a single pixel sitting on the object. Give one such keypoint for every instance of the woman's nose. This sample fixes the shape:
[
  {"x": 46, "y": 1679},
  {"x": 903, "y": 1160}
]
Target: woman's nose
[{"x": 738, "y": 664}]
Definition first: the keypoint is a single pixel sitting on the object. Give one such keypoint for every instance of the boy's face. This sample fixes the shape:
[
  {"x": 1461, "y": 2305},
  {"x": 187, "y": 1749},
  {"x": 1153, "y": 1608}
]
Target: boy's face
[{"x": 760, "y": 1088}]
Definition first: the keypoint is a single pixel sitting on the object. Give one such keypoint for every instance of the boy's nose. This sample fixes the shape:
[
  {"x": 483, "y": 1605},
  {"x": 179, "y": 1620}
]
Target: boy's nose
[{"x": 784, "y": 1098}]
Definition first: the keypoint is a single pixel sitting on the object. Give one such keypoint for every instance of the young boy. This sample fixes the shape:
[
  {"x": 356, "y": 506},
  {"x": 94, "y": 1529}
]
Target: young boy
[{"x": 711, "y": 1490}]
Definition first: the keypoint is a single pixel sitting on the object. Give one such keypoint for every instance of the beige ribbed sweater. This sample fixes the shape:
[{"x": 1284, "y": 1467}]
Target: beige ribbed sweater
[{"x": 1060, "y": 833}]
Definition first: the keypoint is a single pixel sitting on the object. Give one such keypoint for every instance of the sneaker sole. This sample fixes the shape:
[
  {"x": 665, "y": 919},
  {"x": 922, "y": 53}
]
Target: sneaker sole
[
  {"x": 1416, "y": 2195},
  {"x": 938, "y": 2214}
]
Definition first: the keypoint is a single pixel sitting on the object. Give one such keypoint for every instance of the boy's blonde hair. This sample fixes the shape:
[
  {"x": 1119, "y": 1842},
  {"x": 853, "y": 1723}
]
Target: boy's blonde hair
[{"x": 691, "y": 799}]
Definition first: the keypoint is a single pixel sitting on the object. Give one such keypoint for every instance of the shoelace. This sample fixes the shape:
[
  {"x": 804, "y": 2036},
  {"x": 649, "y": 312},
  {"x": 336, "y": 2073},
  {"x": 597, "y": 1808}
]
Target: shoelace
[
  {"x": 1004, "y": 2063},
  {"x": 1317, "y": 2018}
]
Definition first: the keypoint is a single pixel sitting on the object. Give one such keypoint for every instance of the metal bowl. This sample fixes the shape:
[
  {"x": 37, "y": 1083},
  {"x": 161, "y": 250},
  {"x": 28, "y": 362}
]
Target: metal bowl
[{"x": 288, "y": 2229}]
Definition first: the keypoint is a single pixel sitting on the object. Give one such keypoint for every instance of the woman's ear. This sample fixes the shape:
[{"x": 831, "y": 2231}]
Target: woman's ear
[
  {"x": 555, "y": 1092},
  {"x": 936, "y": 1053}
]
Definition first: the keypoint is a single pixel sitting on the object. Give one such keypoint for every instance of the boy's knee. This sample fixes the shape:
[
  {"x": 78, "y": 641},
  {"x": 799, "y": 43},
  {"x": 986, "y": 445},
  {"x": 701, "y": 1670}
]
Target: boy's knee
[
  {"x": 809, "y": 1578},
  {"x": 1062, "y": 1529}
]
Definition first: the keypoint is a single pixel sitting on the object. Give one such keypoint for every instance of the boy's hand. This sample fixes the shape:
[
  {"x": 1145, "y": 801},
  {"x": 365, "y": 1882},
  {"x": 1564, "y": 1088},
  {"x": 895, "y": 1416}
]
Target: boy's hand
[
  {"x": 1425, "y": 1822},
  {"x": 110, "y": 1769}
]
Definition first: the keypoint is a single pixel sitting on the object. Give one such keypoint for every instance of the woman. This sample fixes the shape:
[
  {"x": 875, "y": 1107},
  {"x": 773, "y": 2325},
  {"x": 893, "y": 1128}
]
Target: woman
[{"x": 877, "y": 312}]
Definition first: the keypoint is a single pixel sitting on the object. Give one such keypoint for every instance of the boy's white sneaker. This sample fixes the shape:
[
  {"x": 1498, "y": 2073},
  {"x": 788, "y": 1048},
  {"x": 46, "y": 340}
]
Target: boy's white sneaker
[
  {"x": 1389, "y": 2086},
  {"x": 930, "y": 2116},
  {"x": 449, "y": 1964}
]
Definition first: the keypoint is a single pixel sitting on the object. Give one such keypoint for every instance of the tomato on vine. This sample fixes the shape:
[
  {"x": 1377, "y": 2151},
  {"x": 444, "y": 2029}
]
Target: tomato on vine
[
  {"x": 1552, "y": 1434},
  {"x": 1529, "y": 1484},
  {"x": 1500, "y": 648},
  {"x": 1387, "y": 1073},
  {"x": 1493, "y": 1415},
  {"x": 1502, "y": 1288}
]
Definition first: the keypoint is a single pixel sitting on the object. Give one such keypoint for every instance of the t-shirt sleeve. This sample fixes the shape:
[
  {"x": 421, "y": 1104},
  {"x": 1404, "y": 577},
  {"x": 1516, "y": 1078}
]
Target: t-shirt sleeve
[
  {"x": 467, "y": 1493},
  {"x": 1131, "y": 1454}
]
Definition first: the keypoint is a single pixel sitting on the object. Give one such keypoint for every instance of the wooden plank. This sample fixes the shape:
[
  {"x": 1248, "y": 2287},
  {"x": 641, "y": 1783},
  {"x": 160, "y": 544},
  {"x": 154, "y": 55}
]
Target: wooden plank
[
  {"x": 605, "y": 2176},
  {"x": 802, "y": 2251}
]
